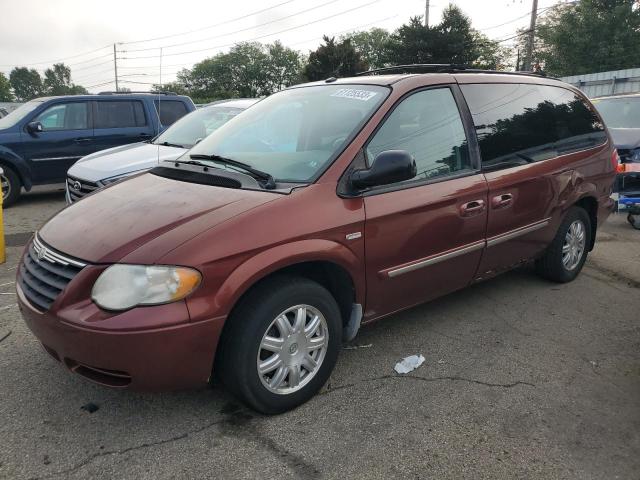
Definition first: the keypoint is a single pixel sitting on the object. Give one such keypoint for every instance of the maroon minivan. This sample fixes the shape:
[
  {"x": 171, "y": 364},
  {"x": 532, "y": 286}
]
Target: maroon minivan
[{"x": 327, "y": 205}]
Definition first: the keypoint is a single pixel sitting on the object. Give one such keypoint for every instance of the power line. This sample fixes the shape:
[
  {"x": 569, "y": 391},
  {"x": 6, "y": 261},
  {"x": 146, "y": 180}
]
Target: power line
[
  {"x": 515, "y": 19},
  {"x": 260, "y": 36},
  {"x": 235, "y": 32},
  {"x": 210, "y": 26},
  {"x": 59, "y": 59}
]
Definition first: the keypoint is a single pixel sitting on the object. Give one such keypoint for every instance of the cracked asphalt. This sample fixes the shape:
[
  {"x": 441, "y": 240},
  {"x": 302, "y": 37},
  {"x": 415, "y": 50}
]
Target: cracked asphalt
[{"x": 522, "y": 379}]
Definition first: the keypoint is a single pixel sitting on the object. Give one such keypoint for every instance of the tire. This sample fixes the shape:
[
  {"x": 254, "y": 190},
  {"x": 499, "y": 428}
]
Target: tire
[
  {"x": 554, "y": 265},
  {"x": 11, "y": 186},
  {"x": 241, "y": 348},
  {"x": 634, "y": 220}
]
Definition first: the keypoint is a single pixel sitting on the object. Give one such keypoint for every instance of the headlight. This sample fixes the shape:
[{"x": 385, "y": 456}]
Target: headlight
[
  {"x": 121, "y": 287},
  {"x": 635, "y": 155}
]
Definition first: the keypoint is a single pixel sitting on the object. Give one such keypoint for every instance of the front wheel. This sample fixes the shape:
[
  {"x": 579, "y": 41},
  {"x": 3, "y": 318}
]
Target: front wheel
[
  {"x": 634, "y": 220},
  {"x": 566, "y": 255},
  {"x": 281, "y": 345},
  {"x": 10, "y": 185}
]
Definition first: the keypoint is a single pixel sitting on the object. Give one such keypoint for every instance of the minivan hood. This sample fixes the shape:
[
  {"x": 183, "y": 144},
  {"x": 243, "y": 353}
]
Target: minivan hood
[
  {"x": 142, "y": 218},
  {"x": 122, "y": 160},
  {"x": 625, "y": 138}
]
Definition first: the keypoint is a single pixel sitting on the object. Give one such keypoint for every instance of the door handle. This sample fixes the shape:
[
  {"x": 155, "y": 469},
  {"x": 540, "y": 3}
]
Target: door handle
[
  {"x": 472, "y": 208},
  {"x": 82, "y": 140},
  {"x": 501, "y": 201}
]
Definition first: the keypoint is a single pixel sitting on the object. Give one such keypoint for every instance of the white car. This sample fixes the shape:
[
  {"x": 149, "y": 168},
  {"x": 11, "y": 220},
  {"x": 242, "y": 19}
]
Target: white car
[{"x": 107, "y": 166}]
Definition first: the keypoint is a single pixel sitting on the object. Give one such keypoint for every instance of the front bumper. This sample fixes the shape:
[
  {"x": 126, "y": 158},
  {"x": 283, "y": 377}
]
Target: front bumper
[{"x": 172, "y": 357}]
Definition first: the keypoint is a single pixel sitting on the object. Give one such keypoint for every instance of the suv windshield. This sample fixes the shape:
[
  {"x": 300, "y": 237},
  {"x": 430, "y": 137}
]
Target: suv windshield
[
  {"x": 19, "y": 113},
  {"x": 295, "y": 133},
  {"x": 619, "y": 112},
  {"x": 192, "y": 128}
]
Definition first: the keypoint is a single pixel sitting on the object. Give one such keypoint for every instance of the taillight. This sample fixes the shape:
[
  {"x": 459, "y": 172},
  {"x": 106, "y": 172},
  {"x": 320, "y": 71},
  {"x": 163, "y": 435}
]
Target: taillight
[{"x": 615, "y": 161}]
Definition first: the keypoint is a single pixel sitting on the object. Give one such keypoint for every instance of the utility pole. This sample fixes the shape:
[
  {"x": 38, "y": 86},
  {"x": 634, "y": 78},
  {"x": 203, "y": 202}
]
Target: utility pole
[
  {"x": 115, "y": 65},
  {"x": 426, "y": 13},
  {"x": 528, "y": 55}
]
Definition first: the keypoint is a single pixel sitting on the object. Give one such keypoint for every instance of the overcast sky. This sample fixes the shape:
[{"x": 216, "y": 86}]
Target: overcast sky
[{"x": 81, "y": 33}]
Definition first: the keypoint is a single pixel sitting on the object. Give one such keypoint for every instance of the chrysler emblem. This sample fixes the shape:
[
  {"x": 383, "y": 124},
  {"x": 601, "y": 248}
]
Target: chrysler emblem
[{"x": 77, "y": 186}]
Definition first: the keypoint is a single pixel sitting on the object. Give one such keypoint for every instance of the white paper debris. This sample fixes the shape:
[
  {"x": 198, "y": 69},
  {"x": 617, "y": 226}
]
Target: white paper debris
[{"x": 409, "y": 364}]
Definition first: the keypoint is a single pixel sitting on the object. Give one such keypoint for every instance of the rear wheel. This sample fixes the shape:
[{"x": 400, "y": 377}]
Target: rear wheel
[
  {"x": 568, "y": 251},
  {"x": 281, "y": 345},
  {"x": 634, "y": 220},
  {"x": 10, "y": 185}
]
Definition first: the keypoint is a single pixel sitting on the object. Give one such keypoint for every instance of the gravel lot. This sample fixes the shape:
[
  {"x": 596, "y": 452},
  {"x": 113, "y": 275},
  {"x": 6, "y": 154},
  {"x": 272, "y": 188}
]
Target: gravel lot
[{"x": 522, "y": 379}]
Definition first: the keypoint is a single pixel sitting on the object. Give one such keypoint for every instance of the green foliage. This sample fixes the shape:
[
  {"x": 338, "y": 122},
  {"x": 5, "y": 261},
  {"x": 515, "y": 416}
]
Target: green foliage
[
  {"x": 26, "y": 83},
  {"x": 334, "y": 59},
  {"x": 590, "y": 36},
  {"x": 249, "y": 69},
  {"x": 57, "y": 81},
  {"x": 6, "y": 95},
  {"x": 372, "y": 45},
  {"x": 453, "y": 40}
]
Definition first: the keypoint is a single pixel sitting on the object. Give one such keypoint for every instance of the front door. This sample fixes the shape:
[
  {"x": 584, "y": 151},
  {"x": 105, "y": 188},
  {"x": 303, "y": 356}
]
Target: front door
[
  {"x": 67, "y": 135},
  {"x": 424, "y": 237}
]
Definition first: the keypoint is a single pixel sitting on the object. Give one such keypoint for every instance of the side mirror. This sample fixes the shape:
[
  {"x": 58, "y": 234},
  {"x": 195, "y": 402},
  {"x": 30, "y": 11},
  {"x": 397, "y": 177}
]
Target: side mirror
[
  {"x": 388, "y": 167},
  {"x": 34, "y": 127}
]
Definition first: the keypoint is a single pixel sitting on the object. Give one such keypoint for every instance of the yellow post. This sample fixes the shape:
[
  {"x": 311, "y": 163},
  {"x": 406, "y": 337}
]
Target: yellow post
[{"x": 2, "y": 253}]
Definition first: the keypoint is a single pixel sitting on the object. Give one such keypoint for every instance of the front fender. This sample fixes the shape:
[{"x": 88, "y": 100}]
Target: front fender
[
  {"x": 11, "y": 159},
  {"x": 271, "y": 260}
]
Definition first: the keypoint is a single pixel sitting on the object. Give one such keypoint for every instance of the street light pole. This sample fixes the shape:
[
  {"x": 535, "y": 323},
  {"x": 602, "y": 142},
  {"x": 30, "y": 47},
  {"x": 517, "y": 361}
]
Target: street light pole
[
  {"x": 426, "y": 13},
  {"x": 115, "y": 65}
]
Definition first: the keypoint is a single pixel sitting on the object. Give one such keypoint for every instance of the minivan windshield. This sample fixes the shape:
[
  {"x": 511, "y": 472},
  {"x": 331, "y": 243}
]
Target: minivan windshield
[
  {"x": 294, "y": 134},
  {"x": 619, "y": 112},
  {"x": 195, "y": 126},
  {"x": 19, "y": 113}
]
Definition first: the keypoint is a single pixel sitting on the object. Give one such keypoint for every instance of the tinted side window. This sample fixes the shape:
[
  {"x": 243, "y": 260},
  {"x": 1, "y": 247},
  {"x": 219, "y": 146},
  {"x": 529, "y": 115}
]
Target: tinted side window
[
  {"x": 119, "y": 114},
  {"x": 65, "y": 116},
  {"x": 170, "y": 110},
  {"x": 522, "y": 122},
  {"x": 428, "y": 126}
]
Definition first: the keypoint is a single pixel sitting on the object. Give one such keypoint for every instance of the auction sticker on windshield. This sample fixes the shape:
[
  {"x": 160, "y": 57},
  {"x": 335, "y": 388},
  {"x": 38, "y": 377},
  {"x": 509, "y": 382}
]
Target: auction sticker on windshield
[{"x": 364, "y": 95}]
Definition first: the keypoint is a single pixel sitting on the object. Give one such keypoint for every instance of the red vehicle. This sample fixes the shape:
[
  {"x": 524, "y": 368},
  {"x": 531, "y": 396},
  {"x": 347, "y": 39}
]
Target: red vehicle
[{"x": 263, "y": 248}]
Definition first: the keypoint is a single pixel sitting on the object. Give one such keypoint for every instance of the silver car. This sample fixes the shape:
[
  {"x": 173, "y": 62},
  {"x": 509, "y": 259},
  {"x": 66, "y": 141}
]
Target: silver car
[{"x": 107, "y": 166}]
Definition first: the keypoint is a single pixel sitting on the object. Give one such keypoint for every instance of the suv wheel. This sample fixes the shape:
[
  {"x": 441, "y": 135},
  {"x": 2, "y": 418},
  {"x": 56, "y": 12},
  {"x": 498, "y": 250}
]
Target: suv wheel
[
  {"x": 634, "y": 220},
  {"x": 10, "y": 186},
  {"x": 281, "y": 344},
  {"x": 566, "y": 255}
]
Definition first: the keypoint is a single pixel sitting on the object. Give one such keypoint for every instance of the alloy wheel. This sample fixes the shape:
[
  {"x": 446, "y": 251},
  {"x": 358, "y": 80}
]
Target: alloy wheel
[
  {"x": 6, "y": 186},
  {"x": 292, "y": 349},
  {"x": 574, "y": 245}
]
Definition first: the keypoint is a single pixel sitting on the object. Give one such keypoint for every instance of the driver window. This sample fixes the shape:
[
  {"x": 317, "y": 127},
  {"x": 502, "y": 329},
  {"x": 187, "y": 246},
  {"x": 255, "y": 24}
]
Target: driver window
[
  {"x": 426, "y": 124},
  {"x": 65, "y": 116}
]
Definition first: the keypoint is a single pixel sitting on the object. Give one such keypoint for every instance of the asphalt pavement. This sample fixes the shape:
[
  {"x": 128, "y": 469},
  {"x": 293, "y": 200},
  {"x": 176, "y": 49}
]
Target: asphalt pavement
[{"x": 522, "y": 379}]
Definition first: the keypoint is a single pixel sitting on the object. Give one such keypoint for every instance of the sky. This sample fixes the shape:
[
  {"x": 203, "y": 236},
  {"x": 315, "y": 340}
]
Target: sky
[{"x": 81, "y": 33}]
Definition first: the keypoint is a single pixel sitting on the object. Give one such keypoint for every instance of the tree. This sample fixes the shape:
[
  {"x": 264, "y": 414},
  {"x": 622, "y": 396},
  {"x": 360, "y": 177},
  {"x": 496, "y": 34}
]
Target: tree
[
  {"x": 452, "y": 41},
  {"x": 26, "y": 83},
  {"x": 57, "y": 81},
  {"x": 6, "y": 95},
  {"x": 284, "y": 67},
  {"x": 372, "y": 45},
  {"x": 334, "y": 59},
  {"x": 590, "y": 36}
]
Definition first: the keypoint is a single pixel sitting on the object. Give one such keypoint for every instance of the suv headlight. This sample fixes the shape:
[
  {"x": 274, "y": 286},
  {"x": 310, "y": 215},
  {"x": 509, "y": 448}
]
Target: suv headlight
[
  {"x": 635, "y": 155},
  {"x": 109, "y": 181},
  {"x": 121, "y": 287}
]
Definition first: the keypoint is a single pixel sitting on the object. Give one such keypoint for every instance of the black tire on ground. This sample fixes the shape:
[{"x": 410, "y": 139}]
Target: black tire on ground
[
  {"x": 550, "y": 265},
  {"x": 11, "y": 186},
  {"x": 237, "y": 359},
  {"x": 634, "y": 220}
]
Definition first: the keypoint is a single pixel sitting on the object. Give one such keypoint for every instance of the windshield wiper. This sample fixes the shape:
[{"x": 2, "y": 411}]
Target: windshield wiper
[
  {"x": 169, "y": 144},
  {"x": 267, "y": 178}
]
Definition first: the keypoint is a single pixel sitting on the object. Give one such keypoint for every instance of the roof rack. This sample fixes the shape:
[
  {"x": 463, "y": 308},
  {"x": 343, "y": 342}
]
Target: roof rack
[
  {"x": 440, "y": 68},
  {"x": 153, "y": 92}
]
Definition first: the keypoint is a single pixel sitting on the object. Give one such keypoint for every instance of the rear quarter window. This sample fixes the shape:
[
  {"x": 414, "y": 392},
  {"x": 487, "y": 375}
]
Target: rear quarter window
[
  {"x": 170, "y": 110},
  {"x": 537, "y": 122}
]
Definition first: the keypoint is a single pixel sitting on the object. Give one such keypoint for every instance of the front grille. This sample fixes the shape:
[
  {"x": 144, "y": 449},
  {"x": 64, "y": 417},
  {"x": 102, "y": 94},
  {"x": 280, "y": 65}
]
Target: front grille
[
  {"x": 78, "y": 188},
  {"x": 44, "y": 273}
]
